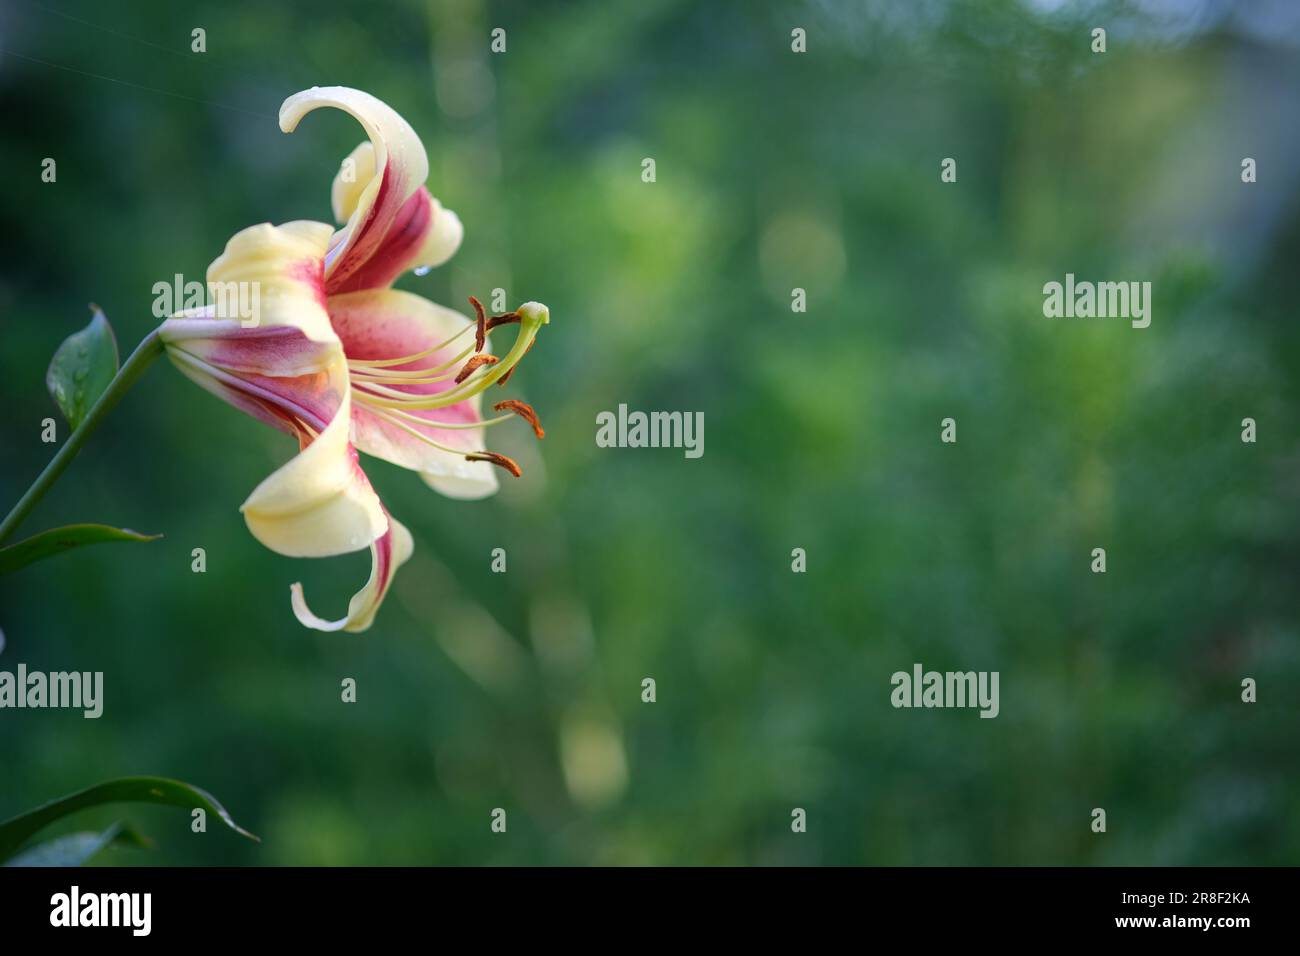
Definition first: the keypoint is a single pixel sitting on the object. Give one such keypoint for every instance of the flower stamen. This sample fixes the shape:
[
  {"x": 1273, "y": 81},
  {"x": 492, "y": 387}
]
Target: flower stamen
[
  {"x": 501, "y": 461},
  {"x": 511, "y": 370},
  {"x": 480, "y": 327},
  {"x": 378, "y": 385},
  {"x": 475, "y": 362},
  {"x": 437, "y": 423},
  {"x": 506, "y": 318},
  {"x": 389, "y": 363},
  {"x": 484, "y": 325},
  {"x": 524, "y": 411},
  {"x": 415, "y": 376}
]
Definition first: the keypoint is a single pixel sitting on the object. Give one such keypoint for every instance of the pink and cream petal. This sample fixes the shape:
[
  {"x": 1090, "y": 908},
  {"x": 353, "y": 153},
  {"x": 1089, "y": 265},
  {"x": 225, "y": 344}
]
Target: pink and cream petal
[
  {"x": 424, "y": 234},
  {"x": 465, "y": 482},
  {"x": 387, "y": 554},
  {"x": 279, "y": 360},
  {"x": 279, "y": 269},
  {"x": 277, "y": 374},
  {"x": 267, "y": 350},
  {"x": 320, "y": 503},
  {"x": 441, "y": 240},
  {"x": 397, "y": 167},
  {"x": 387, "y": 324}
]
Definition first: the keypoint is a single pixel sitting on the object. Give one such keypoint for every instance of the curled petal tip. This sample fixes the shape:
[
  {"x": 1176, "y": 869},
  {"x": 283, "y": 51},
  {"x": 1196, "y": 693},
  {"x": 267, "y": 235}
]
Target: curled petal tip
[
  {"x": 444, "y": 238},
  {"x": 387, "y": 554},
  {"x": 397, "y": 166}
]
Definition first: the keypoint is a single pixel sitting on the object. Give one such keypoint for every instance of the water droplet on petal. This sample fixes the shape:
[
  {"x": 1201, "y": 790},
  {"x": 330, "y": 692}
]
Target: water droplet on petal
[{"x": 423, "y": 270}]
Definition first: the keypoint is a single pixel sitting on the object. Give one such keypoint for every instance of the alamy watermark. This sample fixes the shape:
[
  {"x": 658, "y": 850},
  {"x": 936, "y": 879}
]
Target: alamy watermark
[
  {"x": 229, "y": 300},
  {"x": 922, "y": 688},
  {"x": 75, "y": 908},
  {"x": 71, "y": 689},
  {"x": 1099, "y": 300},
  {"x": 651, "y": 430}
]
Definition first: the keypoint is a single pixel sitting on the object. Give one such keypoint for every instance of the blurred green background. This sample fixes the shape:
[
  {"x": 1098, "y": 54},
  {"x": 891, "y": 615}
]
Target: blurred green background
[{"x": 774, "y": 170}]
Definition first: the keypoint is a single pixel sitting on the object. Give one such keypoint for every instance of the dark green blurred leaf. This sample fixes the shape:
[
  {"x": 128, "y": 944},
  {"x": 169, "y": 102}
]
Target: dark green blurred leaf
[
  {"x": 82, "y": 367},
  {"x": 13, "y": 833},
  {"x": 74, "y": 849},
  {"x": 57, "y": 540}
]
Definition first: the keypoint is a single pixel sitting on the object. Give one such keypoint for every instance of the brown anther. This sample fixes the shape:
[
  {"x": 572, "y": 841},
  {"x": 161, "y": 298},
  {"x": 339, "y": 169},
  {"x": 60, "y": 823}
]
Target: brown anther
[
  {"x": 486, "y": 325},
  {"x": 475, "y": 362},
  {"x": 480, "y": 332},
  {"x": 511, "y": 370},
  {"x": 505, "y": 318},
  {"x": 524, "y": 411},
  {"x": 501, "y": 461}
]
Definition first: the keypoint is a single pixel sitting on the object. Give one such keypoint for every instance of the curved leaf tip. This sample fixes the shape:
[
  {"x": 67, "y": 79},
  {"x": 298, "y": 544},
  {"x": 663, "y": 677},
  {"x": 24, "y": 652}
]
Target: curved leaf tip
[
  {"x": 159, "y": 790},
  {"x": 57, "y": 540}
]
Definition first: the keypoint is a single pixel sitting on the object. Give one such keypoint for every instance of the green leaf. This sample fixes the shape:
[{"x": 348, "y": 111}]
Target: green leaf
[
  {"x": 82, "y": 367},
  {"x": 75, "y": 849},
  {"x": 57, "y": 540},
  {"x": 13, "y": 833}
]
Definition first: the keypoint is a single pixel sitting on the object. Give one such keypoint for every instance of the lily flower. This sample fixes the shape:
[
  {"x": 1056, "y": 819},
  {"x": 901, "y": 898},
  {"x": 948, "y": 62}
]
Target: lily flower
[{"x": 342, "y": 362}]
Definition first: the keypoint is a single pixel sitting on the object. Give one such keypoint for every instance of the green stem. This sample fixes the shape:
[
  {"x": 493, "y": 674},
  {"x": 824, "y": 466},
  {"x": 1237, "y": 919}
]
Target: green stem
[{"x": 148, "y": 350}]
